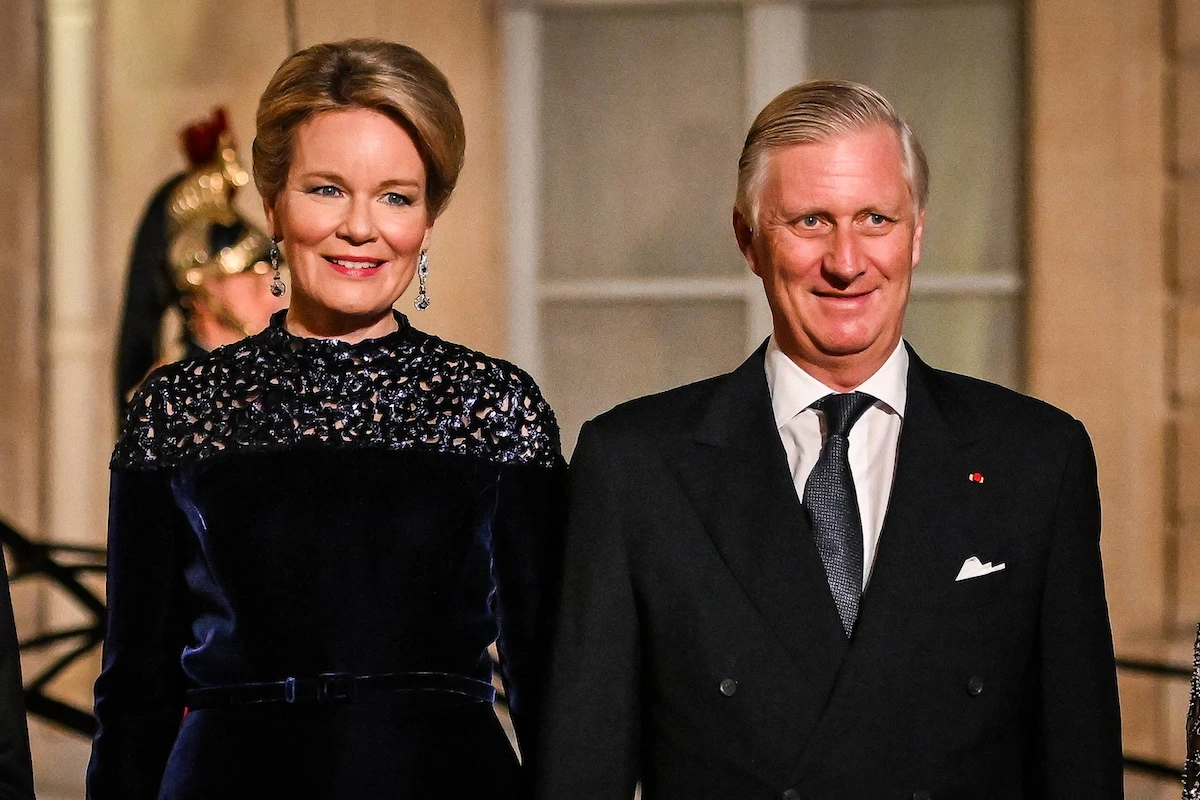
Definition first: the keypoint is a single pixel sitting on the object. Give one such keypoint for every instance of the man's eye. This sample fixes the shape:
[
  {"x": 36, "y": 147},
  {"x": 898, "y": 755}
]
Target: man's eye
[
  {"x": 877, "y": 219},
  {"x": 810, "y": 221}
]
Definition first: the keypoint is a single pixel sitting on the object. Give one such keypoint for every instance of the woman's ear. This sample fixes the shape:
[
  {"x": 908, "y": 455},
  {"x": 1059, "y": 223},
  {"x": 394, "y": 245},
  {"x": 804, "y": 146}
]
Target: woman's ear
[{"x": 269, "y": 213}]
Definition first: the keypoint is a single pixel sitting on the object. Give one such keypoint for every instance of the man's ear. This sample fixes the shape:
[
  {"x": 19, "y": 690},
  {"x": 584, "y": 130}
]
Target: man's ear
[
  {"x": 918, "y": 231},
  {"x": 744, "y": 232}
]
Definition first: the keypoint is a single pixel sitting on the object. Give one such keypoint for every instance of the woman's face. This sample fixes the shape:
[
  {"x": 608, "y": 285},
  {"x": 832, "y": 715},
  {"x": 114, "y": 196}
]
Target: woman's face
[{"x": 351, "y": 221}]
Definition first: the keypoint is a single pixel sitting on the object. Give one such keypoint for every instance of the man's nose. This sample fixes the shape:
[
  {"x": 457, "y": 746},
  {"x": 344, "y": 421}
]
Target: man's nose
[
  {"x": 357, "y": 225},
  {"x": 843, "y": 261}
]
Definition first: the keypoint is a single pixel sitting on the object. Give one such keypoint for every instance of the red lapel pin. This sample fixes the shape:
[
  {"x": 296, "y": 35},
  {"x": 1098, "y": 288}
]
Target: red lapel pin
[{"x": 975, "y": 477}]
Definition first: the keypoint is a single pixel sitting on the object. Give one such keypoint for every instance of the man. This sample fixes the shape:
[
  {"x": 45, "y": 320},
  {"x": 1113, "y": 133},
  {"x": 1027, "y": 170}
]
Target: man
[{"x": 835, "y": 572}]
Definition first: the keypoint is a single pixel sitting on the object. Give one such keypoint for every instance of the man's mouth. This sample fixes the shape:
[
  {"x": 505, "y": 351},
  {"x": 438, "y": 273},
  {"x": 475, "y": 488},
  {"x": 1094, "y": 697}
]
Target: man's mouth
[{"x": 846, "y": 297}]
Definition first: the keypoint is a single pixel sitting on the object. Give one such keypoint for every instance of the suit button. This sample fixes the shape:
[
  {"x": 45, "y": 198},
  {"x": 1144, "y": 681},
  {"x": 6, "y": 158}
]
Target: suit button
[
  {"x": 975, "y": 686},
  {"x": 728, "y": 688},
  {"x": 791, "y": 794},
  {"x": 921, "y": 796}
]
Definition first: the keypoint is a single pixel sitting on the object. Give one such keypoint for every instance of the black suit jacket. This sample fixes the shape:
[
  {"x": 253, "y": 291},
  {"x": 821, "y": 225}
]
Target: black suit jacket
[{"x": 699, "y": 650}]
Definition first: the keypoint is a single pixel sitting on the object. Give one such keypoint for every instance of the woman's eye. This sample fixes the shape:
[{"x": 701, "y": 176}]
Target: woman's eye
[
  {"x": 325, "y": 191},
  {"x": 396, "y": 199}
]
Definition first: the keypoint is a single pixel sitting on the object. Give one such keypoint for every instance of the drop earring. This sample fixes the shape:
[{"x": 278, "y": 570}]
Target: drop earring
[
  {"x": 421, "y": 302},
  {"x": 277, "y": 287}
]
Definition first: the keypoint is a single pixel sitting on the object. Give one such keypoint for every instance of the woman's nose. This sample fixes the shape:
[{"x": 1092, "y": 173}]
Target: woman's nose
[{"x": 357, "y": 226}]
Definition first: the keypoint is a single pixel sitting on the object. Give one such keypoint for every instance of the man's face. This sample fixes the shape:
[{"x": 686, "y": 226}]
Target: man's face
[{"x": 835, "y": 246}]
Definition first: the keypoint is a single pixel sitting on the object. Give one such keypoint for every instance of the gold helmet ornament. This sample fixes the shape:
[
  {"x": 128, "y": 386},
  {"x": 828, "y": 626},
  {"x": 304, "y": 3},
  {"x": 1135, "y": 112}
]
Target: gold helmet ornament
[
  {"x": 198, "y": 274},
  {"x": 207, "y": 238}
]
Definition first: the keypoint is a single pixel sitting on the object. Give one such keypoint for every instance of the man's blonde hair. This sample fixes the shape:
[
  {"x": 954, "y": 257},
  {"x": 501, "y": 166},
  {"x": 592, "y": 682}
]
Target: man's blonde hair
[{"x": 816, "y": 111}]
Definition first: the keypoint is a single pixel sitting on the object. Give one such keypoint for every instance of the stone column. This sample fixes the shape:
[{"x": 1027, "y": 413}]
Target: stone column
[
  {"x": 1183, "y": 155},
  {"x": 74, "y": 370},
  {"x": 75, "y": 398},
  {"x": 1182, "y": 159},
  {"x": 1099, "y": 305}
]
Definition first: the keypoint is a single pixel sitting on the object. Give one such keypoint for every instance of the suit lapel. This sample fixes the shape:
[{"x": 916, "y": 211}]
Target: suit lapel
[
  {"x": 736, "y": 474},
  {"x": 926, "y": 527},
  {"x": 932, "y": 501}
]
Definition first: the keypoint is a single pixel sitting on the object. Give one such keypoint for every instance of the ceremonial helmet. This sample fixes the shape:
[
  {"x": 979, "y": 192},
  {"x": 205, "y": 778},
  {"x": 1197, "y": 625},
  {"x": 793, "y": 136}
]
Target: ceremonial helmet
[{"x": 206, "y": 236}]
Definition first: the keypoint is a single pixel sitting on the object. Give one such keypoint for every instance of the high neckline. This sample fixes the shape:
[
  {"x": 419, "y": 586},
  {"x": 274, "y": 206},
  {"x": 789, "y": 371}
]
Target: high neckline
[{"x": 278, "y": 332}]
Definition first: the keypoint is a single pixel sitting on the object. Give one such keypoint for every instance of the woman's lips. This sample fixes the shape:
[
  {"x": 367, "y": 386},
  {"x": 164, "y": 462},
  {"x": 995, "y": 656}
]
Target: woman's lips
[{"x": 355, "y": 267}]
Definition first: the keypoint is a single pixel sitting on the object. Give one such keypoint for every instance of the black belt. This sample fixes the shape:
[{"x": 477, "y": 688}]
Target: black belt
[{"x": 339, "y": 687}]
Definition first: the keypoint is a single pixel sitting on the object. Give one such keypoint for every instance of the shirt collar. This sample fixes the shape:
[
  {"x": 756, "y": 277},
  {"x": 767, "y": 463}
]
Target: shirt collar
[{"x": 793, "y": 390}]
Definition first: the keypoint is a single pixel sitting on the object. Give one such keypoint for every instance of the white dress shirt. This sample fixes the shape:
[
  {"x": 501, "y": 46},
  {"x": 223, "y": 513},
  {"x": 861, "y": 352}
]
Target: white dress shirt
[{"x": 873, "y": 439}]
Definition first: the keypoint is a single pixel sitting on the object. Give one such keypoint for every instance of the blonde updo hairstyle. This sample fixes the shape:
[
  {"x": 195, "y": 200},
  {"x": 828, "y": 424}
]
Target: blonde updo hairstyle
[{"x": 390, "y": 78}]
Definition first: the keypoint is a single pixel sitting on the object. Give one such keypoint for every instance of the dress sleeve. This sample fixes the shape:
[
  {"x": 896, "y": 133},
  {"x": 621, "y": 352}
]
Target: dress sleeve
[
  {"x": 526, "y": 563},
  {"x": 140, "y": 691}
]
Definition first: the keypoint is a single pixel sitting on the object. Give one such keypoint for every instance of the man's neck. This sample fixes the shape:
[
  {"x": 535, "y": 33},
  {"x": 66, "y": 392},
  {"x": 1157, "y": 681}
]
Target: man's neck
[{"x": 842, "y": 373}]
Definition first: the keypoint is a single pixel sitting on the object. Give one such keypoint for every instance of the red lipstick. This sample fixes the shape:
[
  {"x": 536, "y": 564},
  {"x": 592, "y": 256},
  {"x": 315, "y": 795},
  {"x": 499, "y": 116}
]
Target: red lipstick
[{"x": 355, "y": 266}]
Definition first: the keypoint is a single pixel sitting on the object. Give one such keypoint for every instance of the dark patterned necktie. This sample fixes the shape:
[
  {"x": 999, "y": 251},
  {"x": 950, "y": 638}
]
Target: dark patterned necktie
[{"x": 832, "y": 504}]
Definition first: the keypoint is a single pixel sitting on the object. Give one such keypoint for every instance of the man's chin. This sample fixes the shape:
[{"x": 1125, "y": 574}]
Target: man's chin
[
  {"x": 845, "y": 346},
  {"x": 824, "y": 344}
]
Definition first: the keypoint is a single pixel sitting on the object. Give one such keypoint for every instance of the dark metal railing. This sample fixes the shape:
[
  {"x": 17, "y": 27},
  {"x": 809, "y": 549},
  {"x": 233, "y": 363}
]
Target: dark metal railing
[
  {"x": 1160, "y": 669},
  {"x": 1154, "y": 668},
  {"x": 63, "y": 566}
]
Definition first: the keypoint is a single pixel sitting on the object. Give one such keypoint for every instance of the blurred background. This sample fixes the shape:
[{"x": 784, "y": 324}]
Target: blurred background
[{"x": 590, "y": 241}]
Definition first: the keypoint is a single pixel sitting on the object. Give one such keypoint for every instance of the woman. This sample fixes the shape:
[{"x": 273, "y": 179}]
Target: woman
[{"x": 315, "y": 533}]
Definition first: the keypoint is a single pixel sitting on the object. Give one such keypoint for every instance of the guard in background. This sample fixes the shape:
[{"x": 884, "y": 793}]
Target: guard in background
[{"x": 199, "y": 275}]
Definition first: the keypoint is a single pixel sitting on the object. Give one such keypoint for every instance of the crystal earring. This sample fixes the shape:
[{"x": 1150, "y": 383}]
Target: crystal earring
[
  {"x": 421, "y": 302},
  {"x": 277, "y": 287}
]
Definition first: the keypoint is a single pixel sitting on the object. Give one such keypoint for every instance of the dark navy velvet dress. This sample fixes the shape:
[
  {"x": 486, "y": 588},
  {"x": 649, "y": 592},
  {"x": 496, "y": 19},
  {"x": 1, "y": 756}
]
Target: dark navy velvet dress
[{"x": 288, "y": 508}]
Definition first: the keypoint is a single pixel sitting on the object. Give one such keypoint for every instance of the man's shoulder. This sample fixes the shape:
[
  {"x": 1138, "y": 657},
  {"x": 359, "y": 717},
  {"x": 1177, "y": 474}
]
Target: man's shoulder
[
  {"x": 999, "y": 409},
  {"x": 642, "y": 432},
  {"x": 659, "y": 414}
]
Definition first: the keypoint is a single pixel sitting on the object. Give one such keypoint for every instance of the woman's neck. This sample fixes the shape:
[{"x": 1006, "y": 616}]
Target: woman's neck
[{"x": 351, "y": 328}]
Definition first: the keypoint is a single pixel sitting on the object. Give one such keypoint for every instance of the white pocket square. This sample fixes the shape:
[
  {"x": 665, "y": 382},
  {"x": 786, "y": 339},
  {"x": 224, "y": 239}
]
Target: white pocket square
[{"x": 973, "y": 568}]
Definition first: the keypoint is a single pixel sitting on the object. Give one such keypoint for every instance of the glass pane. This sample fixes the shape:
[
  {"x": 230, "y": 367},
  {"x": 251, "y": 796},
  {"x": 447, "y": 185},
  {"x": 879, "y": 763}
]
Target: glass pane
[
  {"x": 954, "y": 72},
  {"x": 979, "y": 336},
  {"x": 643, "y": 124},
  {"x": 599, "y": 354}
]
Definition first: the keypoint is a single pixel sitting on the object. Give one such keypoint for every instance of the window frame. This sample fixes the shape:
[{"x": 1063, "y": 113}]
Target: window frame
[{"x": 774, "y": 40}]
